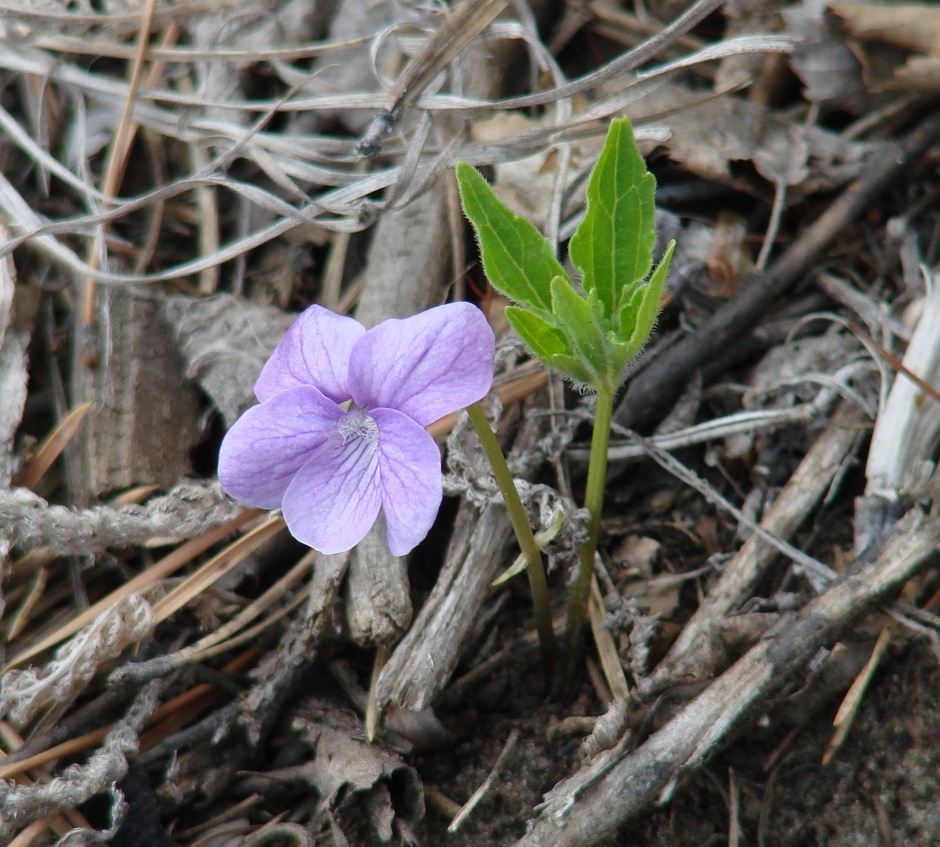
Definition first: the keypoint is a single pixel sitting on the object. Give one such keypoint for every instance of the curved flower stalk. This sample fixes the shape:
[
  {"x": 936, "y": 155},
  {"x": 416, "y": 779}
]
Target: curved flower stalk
[{"x": 339, "y": 435}]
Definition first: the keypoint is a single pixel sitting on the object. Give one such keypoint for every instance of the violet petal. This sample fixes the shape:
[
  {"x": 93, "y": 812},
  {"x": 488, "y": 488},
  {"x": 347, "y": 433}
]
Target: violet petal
[
  {"x": 334, "y": 499},
  {"x": 409, "y": 477},
  {"x": 314, "y": 351},
  {"x": 425, "y": 366},
  {"x": 269, "y": 443}
]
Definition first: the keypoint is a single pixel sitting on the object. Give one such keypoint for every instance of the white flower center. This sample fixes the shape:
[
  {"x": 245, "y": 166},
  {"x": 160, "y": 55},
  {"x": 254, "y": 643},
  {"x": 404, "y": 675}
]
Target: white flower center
[{"x": 358, "y": 425}]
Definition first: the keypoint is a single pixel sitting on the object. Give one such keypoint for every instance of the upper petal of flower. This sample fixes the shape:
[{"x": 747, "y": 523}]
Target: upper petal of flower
[
  {"x": 314, "y": 351},
  {"x": 425, "y": 366},
  {"x": 409, "y": 477},
  {"x": 334, "y": 499},
  {"x": 269, "y": 443}
]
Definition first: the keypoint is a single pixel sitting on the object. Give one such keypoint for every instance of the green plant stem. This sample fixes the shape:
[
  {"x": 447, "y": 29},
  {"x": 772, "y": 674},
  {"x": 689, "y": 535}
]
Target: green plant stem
[
  {"x": 594, "y": 502},
  {"x": 520, "y": 524}
]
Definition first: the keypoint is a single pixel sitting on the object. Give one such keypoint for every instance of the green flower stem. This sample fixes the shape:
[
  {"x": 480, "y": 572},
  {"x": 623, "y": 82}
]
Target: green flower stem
[
  {"x": 594, "y": 502},
  {"x": 520, "y": 523}
]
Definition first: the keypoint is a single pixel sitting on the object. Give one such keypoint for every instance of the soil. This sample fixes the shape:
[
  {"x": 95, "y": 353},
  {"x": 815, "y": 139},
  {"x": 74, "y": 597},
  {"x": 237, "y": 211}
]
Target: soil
[{"x": 882, "y": 788}]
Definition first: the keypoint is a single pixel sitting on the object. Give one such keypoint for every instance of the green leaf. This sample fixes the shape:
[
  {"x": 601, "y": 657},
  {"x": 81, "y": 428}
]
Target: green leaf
[
  {"x": 573, "y": 367},
  {"x": 543, "y": 338},
  {"x": 612, "y": 247},
  {"x": 517, "y": 258},
  {"x": 638, "y": 316},
  {"x": 549, "y": 344},
  {"x": 577, "y": 318}
]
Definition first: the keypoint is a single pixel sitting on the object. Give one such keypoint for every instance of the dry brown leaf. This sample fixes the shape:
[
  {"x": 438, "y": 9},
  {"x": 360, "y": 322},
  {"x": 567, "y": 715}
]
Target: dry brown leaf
[
  {"x": 920, "y": 73},
  {"x": 637, "y": 553},
  {"x": 914, "y": 27},
  {"x": 657, "y": 596},
  {"x": 827, "y": 67},
  {"x": 897, "y": 45},
  {"x": 709, "y": 137},
  {"x": 729, "y": 259},
  {"x": 353, "y": 779}
]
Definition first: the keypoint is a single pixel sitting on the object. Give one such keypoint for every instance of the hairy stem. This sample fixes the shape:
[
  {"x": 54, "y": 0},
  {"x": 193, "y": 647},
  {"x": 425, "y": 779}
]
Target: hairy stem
[
  {"x": 594, "y": 502},
  {"x": 520, "y": 524}
]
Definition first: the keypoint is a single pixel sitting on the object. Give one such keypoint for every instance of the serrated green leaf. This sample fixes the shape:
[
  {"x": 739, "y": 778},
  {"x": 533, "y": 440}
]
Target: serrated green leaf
[
  {"x": 648, "y": 299},
  {"x": 549, "y": 344},
  {"x": 638, "y": 316},
  {"x": 573, "y": 368},
  {"x": 517, "y": 258},
  {"x": 612, "y": 247},
  {"x": 579, "y": 322},
  {"x": 544, "y": 339}
]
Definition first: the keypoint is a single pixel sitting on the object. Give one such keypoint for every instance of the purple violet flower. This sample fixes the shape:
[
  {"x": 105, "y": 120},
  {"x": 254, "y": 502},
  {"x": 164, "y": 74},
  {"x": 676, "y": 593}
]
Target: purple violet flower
[{"x": 340, "y": 431}]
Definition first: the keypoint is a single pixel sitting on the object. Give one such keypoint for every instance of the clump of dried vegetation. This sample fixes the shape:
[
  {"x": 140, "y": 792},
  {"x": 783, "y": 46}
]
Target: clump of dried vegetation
[{"x": 177, "y": 180}]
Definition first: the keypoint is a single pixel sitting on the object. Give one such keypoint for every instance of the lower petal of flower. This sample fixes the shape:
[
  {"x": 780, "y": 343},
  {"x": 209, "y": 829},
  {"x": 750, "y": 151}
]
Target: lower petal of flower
[
  {"x": 334, "y": 498},
  {"x": 271, "y": 442},
  {"x": 409, "y": 478}
]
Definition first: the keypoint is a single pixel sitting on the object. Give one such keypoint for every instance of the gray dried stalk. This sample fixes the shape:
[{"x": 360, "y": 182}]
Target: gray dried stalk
[
  {"x": 691, "y": 657},
  {"x": 20, "y": 805},
  {"x": 469, "y": 476},
  {"x": 4, "y": 571},
  {"x": 187, "y": 510},
  {"x": 74, "y": 664},
  {"x": 82, "y": 837},
  {"x": 407, "y": 270},
  {"x": 423, "y": 661}
]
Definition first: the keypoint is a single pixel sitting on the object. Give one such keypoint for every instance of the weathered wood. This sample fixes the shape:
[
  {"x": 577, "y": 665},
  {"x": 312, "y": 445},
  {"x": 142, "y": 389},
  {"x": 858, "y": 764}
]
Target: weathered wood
[
  {"x": 378, "y": 599},
  {"x": 145, "y": 419},
  {"x": 16, "y": 318},
  {"x": 277, "y": 676},
  {"x": 406, "y": 267},
  {"x": 403, "y": 275}
]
